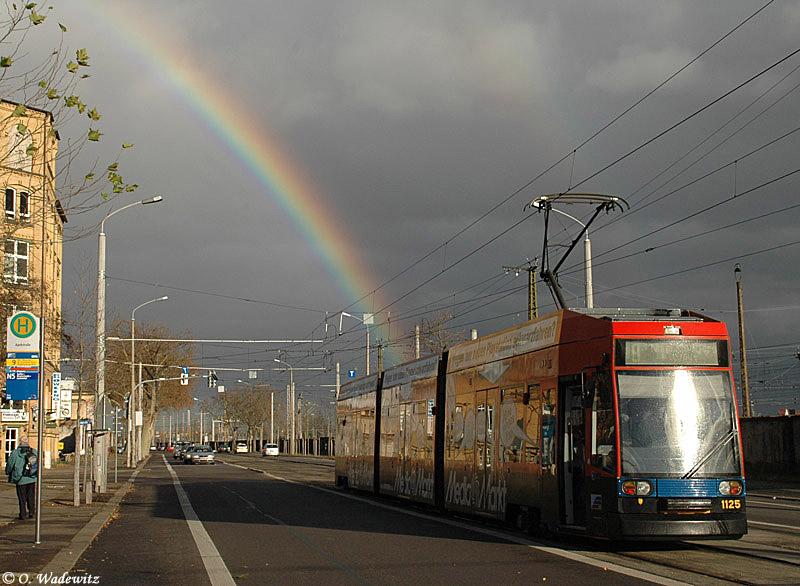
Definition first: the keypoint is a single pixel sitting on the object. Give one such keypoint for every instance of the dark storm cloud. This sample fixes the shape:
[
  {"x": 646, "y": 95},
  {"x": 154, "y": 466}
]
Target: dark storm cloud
[{"x": 413, "y": 119}]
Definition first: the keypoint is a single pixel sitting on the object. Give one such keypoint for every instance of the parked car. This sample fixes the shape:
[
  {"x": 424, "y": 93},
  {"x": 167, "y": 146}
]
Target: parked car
[
  {"x": 271, "y": 450},
  {"x": 241, "y": 447},
  {"x": 201, "y": 455}
]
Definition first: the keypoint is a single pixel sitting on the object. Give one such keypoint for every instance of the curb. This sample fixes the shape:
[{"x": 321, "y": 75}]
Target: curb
[{"x": 64, "y": 560}]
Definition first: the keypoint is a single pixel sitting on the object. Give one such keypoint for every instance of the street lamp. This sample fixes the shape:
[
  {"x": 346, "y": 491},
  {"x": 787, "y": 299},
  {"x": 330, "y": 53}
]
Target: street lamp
[
  {"x": 133, "y": 366},
  {"x": 587, "y": 256},
  {"x": 368, "y": 319},
  {"x": 291, "y": 401},
  {"x": 100, "y": 349}
]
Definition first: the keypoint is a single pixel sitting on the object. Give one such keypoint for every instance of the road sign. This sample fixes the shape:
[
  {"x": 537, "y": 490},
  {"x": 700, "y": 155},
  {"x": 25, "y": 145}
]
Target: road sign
[
  {"x": 351, "y": 373},
  {"x": 65, "y": 407},
  {"x": 22, "y": 376},
  {"x": 184, "y": 375},
  {"x": 56, "y": 393},
  {"x": 23, "y": 332},
  {"x": 14, "y": 416}
]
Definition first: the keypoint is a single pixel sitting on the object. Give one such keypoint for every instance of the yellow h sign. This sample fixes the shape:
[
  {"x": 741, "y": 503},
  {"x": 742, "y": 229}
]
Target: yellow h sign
[
  {"x": 23, "y": 325},
  {"x": 23, "y": 332}
]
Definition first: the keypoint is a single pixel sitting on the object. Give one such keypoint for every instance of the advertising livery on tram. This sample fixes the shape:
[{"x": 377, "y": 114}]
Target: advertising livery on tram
[{"x": 619, "y": 424}]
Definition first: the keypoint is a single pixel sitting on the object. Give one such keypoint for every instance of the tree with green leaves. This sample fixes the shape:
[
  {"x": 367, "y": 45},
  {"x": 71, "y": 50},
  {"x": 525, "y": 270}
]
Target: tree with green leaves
[{"x": 50, "y": 82}]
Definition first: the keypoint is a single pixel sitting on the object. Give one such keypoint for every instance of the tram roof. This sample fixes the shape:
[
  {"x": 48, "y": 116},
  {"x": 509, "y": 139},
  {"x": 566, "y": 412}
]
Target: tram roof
[{"x": 640, "y": 314}]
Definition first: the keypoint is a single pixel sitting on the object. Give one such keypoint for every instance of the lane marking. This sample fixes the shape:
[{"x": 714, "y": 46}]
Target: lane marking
[
  {"x": 764, "y": 524},
  {"x": 570, "y": 555},
  {"x": 352, "y": 573},
  {"x": 216, "y": 569},
  {"x": 772, "y": 505}
]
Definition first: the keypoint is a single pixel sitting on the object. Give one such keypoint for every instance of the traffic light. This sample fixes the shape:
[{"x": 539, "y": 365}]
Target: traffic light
[{"x": 212, "y": 379}]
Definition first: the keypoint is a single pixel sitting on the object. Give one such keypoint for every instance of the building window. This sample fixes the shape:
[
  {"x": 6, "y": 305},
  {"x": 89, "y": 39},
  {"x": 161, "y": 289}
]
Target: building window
[
  {"x": 11, "y": 442},
  {"x": 15, "y": 262},
  {"x": 18, "y": 149},
  {"x": 24, "y": 205},
  {"x": 11, "y": 203}
]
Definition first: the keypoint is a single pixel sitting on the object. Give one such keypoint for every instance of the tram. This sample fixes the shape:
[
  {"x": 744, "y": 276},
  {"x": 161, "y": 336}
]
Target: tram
[{"x": 619, "y": 424}]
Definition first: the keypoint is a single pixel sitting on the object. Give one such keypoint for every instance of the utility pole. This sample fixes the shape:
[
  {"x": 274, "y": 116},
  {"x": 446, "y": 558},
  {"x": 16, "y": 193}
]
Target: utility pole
[
  {"x": 737, "y": 273},
  {"x": 533, "y": 309}
]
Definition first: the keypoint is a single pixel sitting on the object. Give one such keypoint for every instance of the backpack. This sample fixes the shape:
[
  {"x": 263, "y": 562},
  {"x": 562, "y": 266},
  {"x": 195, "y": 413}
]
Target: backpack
[{"x": 30, "y": 466}]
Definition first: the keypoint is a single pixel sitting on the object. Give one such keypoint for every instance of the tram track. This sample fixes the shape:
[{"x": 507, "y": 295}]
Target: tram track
[{"x": 736, "y": 562}]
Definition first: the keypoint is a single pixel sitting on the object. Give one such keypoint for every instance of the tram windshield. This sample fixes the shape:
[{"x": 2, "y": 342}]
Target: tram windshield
[{"x": 677, "y": 422}]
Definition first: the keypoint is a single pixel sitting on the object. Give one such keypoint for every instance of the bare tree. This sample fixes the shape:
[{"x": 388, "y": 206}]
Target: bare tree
[
  {"x": 77, "y": 350},
  {"x": 159, "y": 359},
  {"x": 435, "y": 337}
]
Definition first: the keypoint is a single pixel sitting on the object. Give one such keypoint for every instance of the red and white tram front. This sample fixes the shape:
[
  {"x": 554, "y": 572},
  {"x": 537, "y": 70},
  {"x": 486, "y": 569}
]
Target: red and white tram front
[{"x": 676, "y": 458}]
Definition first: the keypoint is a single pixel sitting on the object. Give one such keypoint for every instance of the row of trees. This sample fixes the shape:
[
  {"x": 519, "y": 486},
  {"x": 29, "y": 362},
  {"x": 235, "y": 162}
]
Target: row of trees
[{"x": 256, "y": 412}]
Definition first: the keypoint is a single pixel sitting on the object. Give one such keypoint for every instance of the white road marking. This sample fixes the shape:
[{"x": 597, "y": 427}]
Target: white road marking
[
  {"x": 216, "y": 569},
  {"x": 353, "y": 574},
  {"x": 763, "y": 524},
  {"x": 571, "y": 555}
]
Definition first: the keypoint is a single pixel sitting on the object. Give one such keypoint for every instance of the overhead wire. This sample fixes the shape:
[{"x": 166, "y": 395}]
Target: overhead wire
[{"x": 526, "y": 185}]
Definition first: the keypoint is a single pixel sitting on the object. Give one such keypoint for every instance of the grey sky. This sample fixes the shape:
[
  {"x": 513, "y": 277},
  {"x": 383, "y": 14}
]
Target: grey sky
[{"x": 412, "y": 119}]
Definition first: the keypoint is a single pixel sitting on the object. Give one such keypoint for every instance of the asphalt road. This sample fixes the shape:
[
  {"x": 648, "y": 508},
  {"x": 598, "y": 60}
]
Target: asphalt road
[{"x": 287, "y": 525}]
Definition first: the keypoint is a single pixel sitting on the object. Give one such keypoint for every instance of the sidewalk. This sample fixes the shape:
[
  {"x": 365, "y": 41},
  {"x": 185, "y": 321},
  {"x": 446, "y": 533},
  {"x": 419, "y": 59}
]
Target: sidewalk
[{"x": 65, "y": 530}]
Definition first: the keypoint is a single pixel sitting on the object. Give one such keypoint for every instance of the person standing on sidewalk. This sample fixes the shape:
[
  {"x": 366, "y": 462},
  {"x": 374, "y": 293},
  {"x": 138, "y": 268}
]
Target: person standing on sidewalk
[{"x": 21, "y": 468}]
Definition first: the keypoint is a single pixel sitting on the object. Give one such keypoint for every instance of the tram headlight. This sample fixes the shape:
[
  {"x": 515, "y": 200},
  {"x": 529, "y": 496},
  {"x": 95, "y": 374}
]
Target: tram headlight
[
  {"x": 730, "y": 488},
  {"x": 636, "y": 487}
]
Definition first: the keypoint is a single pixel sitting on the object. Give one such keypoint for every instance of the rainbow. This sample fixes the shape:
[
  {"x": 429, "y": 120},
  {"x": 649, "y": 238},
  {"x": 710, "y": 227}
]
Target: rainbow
[{"x": 260, "y": 154}]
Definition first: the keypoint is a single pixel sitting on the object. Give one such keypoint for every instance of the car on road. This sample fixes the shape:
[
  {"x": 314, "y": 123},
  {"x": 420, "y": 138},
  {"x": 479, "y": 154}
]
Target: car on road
[
  {"x": 186, "y": 455},
  {"x": 271, "y": 450},
  {"x": 226, "y": 448},
  {"x": 201, "y": 455},
  {"x": 180, "y": 448},
  {"x": 241, "y": 447}
]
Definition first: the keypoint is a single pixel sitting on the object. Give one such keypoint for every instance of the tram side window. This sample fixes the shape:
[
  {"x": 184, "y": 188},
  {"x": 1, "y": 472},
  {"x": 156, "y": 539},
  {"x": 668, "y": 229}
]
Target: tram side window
[
  {"x": 512, "y": 419},
  {"x": 603, "y": 425},
  {"x": 533, "y": 424},
  {"x": 548, "y": 430}
]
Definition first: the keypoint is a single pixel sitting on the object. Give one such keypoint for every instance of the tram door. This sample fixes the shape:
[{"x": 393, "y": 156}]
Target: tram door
[
  {"x": 573, "y": 459},
  {"x": 485, "y": 439}
]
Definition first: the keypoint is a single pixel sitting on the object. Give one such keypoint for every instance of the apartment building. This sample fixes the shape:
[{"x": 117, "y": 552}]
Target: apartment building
[{"x": 31, "y": 226}]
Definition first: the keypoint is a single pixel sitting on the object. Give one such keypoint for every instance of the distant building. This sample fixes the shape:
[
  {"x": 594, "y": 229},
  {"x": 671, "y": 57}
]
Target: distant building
[{"x": 31, "y": 230}]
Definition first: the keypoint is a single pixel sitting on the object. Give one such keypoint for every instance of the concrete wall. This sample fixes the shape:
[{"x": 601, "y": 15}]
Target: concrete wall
[{"x": 771, "y": 447}]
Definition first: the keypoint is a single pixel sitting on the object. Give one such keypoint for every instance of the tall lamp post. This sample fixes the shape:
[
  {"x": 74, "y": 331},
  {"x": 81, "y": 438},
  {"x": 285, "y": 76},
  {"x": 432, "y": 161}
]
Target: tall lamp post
[
  {"x": 100, "y": 348},
  {"x": 291, "y": 429},
  {"x": 368, "y": 320},
  {"x": 133, "y": 365},
  {"x": 737, "y": 273}
]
